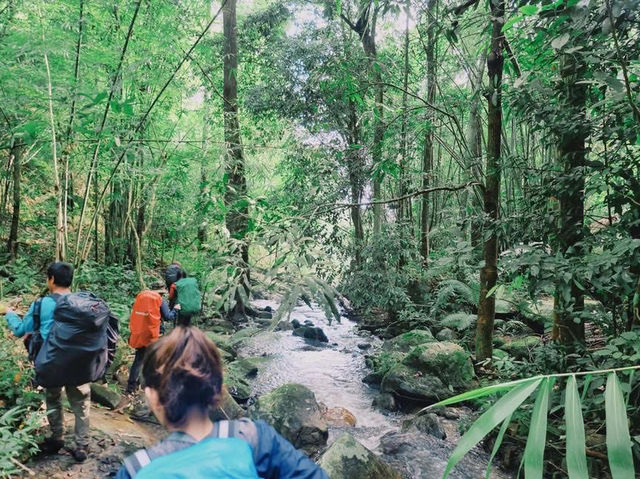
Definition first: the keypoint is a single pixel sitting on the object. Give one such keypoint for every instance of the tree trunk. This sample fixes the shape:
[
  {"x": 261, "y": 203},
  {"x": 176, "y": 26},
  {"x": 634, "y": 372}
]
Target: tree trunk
[
  {"x": 237, "y": 217},
  {"x": 427, "y": 159},
  {"x": 571, "y": 156},
  {"x": 365, "y": 27},
  {"x": 491, "y": 196},
  {"x": 404, "y": 206},
  {"x": 16, "y": 154},
  {"x": 354, "y": 169}
]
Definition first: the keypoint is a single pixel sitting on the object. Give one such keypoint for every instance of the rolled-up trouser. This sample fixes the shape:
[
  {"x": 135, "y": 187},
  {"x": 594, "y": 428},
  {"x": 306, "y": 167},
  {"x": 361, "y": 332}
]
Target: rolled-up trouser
[{"x": 80, "y": 400}]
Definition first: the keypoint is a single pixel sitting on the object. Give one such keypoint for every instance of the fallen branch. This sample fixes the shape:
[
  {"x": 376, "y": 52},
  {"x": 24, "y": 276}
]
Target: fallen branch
[{"x": 31, "y": 472}]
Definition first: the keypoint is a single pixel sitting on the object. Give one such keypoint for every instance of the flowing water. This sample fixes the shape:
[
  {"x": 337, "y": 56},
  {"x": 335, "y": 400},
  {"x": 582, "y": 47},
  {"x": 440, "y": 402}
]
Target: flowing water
[{"x": 334, "y": 372}]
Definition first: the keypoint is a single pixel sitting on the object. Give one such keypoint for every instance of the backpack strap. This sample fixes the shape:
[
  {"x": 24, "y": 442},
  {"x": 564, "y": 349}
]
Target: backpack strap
[
  {"x": 37, "y": 306},
  {"x": 136, "y": 461}
]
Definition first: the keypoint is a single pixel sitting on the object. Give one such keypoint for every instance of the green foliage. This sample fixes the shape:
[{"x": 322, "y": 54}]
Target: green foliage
[
  {"x": 459, "y": 321},
  {"x": 618, "y": 438},
  {"x": 18, "y": 437}
]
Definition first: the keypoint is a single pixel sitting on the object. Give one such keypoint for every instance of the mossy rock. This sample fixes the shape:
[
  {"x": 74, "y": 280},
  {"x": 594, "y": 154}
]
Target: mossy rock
[
  {"x": 445, "y": 360},
  {"x": 521, "y": 348},
  {"x": 238, "y": 339},
  {"x": 222, "y": 341},
  {"x": 406, "y": 341},
  {"x": 410, "y": 386},
  {"x": 227, "y": 408},
  {"x": 346, "y": 458},
  {"x": 293, "y": 411},
  {"x": 382, "y": 362},
  {"x": 236, "y": 383}
]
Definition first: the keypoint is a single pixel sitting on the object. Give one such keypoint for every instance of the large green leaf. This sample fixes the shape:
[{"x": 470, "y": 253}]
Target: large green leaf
[
  {"x": 498, "y": 443},
  {"x": 534, "y": 450},
  {"x": 485, "y": 391},
  {"x": 497, "y": 413},
  {"x": 618, "y": 439},
  {"x": 576, "y": 457}
]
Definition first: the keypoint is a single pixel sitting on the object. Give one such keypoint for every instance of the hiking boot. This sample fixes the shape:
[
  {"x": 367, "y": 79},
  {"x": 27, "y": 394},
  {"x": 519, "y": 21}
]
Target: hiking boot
[
  {"x": 51, "y": 445},
  {"x": 80, "y": 454}
]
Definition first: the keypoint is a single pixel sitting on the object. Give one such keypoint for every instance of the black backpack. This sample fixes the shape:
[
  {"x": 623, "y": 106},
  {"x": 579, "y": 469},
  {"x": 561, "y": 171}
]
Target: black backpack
[{"x": 76, "y": 349}]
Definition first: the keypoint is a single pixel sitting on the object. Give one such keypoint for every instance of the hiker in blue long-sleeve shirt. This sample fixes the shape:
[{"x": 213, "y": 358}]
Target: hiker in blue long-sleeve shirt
[{"x": 59, "y": 278}]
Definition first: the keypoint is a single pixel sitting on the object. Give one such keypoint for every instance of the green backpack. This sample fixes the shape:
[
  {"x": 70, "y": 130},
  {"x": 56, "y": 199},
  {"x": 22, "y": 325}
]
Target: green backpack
[{"x": 189, "y": 296}]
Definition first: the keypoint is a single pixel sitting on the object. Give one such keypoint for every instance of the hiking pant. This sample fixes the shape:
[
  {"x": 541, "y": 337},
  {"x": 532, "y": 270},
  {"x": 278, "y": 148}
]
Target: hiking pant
[
  {"x": 80, "y": 400},
  {"x": 134, "y": 372}
]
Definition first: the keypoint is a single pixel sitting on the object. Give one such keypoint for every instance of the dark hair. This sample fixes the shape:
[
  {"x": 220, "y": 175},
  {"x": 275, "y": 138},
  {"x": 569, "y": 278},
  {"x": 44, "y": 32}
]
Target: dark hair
[
  {"x": 185, "y": 369},
  {"x": 62, "y": 273}
]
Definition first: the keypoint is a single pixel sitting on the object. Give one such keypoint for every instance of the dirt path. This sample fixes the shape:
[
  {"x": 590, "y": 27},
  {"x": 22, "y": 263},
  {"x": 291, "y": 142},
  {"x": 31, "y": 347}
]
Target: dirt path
[{"x": 113, "y": 436}]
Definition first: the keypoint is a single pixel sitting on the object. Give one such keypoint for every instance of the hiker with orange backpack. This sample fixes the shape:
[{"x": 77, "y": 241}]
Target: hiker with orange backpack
[{"x": 145, "y": 325}]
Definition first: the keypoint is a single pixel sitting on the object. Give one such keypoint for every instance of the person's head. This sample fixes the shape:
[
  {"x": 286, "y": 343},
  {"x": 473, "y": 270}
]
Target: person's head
[
  {"x": 59, "y": 275},
  {"x": 157, "y": 286},
  {"x": 182, "y": 375}
]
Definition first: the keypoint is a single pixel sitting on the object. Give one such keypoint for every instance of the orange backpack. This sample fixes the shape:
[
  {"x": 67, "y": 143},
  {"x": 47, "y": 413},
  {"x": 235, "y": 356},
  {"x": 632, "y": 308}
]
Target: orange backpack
[{"x": 144, "y": 322}]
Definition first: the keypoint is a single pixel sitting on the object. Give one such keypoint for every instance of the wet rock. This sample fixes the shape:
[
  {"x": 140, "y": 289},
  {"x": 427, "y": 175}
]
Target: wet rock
[
  {"x": 427, "y": 423},
  {"x": 308, "y": 322},
  {"x": 413, "y": 387},
  {"x": 406, "y": 341},
  {"x": 246, "y": 368},
  {"x": 446, "y": 334},
  {"x": 338, "y": 417},
  {"x": 348, "y": 459},
  {"x": 385, "y": 401},
  {"x": 445, "y": 360},
  {"x": 363, "y": 346},
  {"x": 262, "y": 323},
  {"x": 312, "y": 333},
  {"x": 521, "y": 348},
  {"x": 265, "y": 314},
  {"x": 295, "y": 323},
  {"x": 228, "y": 408},
  {"x": 372, "y": 378},
  {"x": 237, "y": 385},
  {"x": 241, "y": 337},
  {"x": 284, "y": 326},
  {"x": 104, "y": 396},
  {"x": 293, "y": 411}
]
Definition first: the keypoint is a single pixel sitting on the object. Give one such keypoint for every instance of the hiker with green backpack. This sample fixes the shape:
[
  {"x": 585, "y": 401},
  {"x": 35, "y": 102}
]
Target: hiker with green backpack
[{"x": 184, "y": 293}]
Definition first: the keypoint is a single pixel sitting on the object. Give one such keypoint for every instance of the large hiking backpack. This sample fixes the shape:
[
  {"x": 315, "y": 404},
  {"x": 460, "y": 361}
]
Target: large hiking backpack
[
  {"x": 227, "y": 453},
  {"x": 189, "y": 296},
  {"x": 145, "y": 320},
  {"x": 75, "y": 351}
]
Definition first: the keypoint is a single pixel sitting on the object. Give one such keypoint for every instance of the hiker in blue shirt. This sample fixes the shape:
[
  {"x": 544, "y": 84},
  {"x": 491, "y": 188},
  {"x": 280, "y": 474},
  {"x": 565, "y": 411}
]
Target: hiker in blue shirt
[
  {"x": 182, "y": 375},
  {"x": 59, "y": 278}
]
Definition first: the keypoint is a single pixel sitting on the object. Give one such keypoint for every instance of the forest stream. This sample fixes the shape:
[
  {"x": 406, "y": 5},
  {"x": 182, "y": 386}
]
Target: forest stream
[{"x": 334, "y": 373}]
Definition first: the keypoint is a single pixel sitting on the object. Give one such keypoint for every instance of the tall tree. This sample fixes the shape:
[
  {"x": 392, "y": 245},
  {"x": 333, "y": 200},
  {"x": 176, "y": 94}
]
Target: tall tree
[
  {"x": 427, "y": 157},
  {"x": 237, "y": 216},
  {"x": 15, "y": 156},
  {"x": 489, "y": 271},
  {"x": 569, "y": 298},
  {"x": 365, "y": 27}
]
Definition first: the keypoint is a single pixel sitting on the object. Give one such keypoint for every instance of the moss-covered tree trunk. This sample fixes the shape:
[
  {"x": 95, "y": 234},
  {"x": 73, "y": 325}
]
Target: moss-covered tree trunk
[
  {"x": 569, "y": 298},
  {"x": 489, "y": 271}
]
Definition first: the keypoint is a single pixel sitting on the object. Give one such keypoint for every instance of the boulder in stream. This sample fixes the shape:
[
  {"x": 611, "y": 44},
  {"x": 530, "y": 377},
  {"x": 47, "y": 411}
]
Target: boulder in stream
[
  {"x": 445, "y": 360},
  {"x": 346, "y": 458},
  {"x": 312, "y": 333},
  {"x": 338, "y": 416},
  {"x": 428, "y": 423},
  {"x": 293, "y": 411},
  {"x": 412, "y": 387},
  {"x": 406, "y": 341}
]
